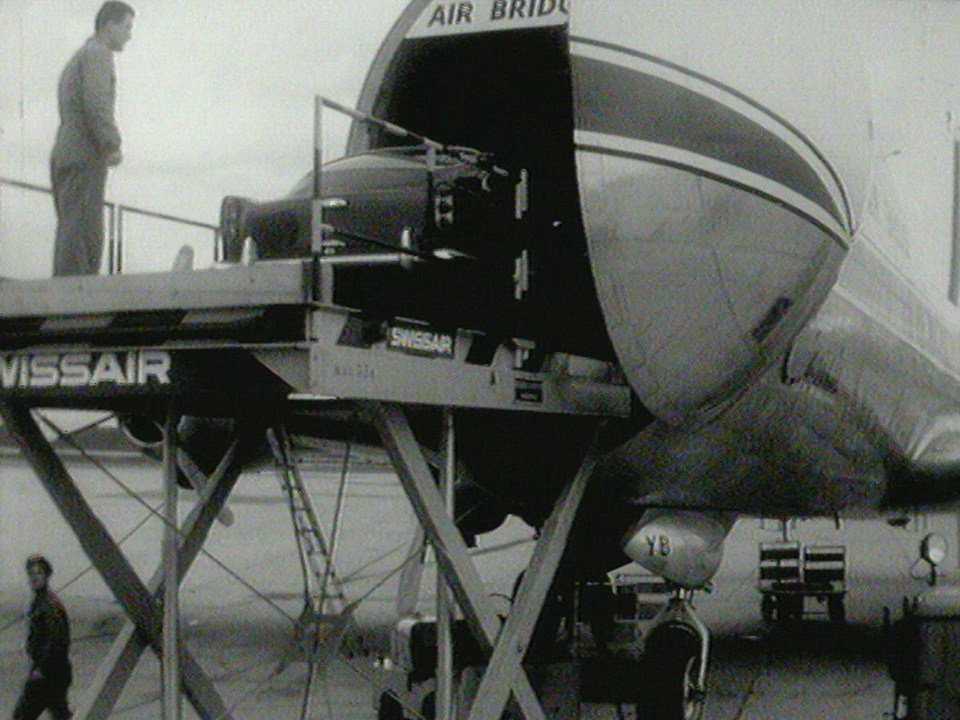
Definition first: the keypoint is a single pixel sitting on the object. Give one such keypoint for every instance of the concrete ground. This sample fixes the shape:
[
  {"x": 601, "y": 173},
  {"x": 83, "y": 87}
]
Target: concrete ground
[{"x": 241, "y": 600}]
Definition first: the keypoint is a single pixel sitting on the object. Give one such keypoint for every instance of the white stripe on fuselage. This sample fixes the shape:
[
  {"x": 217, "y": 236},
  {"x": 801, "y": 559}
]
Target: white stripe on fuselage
[
  {"x": 730, "y": 99},
  {"x": 587, "y": 141}
]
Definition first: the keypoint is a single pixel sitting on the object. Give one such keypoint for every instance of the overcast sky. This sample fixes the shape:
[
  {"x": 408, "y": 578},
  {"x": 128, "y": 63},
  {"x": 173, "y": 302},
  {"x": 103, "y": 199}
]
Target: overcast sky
[{"x": 215, "y": 98}]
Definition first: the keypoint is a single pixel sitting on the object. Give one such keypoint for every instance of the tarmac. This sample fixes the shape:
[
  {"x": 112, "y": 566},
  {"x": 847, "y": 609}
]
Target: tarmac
[{"x": 242, "y": 598}]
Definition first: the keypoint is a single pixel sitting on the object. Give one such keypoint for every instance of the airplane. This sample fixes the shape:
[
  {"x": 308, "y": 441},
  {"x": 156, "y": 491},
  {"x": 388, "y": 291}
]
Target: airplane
[
  {"x": 697, "y": 200},
  {"x": 704, "y": 215}
]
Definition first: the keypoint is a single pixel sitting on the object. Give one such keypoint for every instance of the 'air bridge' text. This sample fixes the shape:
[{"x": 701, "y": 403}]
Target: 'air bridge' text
[{"x": 485, "y": 15}]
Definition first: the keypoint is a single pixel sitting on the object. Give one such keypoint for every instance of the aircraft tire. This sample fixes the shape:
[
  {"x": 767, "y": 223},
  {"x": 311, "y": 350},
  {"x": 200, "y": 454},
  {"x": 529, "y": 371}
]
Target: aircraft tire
[
  {"x": 389, "y": 708},
  {"x": 836, "y": 609},
  {"x": 671, "y": 661},
  {"x": 768, "y": 609}
]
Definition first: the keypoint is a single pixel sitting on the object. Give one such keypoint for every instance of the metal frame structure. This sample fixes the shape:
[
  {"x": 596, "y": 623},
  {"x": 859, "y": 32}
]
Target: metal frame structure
[
  {"x": 791, "y": 571},
  {"x": 504, "y": 675},
  {"x": 151, "y": 624},
  {"x": 219, "y": 342}
]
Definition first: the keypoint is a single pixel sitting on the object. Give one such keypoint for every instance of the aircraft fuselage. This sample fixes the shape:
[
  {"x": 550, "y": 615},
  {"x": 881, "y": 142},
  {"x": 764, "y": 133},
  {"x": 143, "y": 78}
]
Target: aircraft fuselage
[{"x": 708, "y": 214}]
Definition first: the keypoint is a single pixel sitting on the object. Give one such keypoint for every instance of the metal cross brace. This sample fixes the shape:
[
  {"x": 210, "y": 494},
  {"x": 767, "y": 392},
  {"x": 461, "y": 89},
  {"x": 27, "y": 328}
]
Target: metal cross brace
[
  {"x": 515, "y": 636},
  {"x": 138, "y": 601},
  {"x": 508, "y": 646},
  {"x": 115, "y": 669}
]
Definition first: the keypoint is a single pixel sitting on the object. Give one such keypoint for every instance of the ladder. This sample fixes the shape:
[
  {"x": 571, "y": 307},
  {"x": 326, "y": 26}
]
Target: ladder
[
  {"x": 323, "y": 591},
  {"x": 326, "y": 615}
]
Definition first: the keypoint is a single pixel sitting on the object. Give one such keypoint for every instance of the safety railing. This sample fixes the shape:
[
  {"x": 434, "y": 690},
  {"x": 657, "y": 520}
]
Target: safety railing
[{"x": 116, "y": 213}]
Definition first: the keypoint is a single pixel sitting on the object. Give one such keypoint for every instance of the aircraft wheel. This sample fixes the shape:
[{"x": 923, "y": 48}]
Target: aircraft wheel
[
  {"x": 768, "y": 609},
  {"x": 836, "y": 609},
  {"x": 668, "y": 682},
  {"x": 389, "y": 708}
]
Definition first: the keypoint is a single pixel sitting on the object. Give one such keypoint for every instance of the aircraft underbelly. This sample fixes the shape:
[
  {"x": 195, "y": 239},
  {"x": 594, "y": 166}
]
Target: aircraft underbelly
[
  {"x": 776, "y": 450},
  {"x": 860, "y": 418}
]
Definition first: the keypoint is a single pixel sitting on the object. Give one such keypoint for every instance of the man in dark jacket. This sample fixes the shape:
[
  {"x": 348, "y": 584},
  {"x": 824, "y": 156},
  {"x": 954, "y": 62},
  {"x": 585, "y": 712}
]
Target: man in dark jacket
[
  {"x": 88, "y": 142},
  {"x": 48, "y": 646}
]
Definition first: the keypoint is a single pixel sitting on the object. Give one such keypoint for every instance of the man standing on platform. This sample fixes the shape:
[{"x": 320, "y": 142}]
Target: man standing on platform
[
  {"x": 48, "y": 646},
  {"x": 88, "y": 142}
]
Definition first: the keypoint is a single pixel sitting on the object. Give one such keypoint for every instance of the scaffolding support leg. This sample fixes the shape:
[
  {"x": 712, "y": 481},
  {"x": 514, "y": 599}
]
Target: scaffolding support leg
[
  {"x": 170, "y": 662},
  {"x": 446, "y": 607},
  {"x": 507, "y": 647},
  {"x": 515, "y": 636},
  {"x": 138, "y": 601},
  {"x": 101, "y": 696}
]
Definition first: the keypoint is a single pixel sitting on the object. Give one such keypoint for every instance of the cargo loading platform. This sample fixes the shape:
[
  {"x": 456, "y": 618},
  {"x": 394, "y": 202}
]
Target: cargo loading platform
[
  {"x": 228, "y": 334},
  {"x": 262, "y": 344}
]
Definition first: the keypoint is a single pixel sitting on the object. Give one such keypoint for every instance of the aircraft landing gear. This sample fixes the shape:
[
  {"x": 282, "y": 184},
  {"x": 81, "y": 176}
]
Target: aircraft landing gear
[
  {"x": 674, "y": 665},
  {"x": 389, "y": 708}
]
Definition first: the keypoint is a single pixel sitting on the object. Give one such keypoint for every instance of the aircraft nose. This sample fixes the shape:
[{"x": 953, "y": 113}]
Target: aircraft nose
[
  {"x": 715, "y": 228},
  {"x": 702, "y": 284}
]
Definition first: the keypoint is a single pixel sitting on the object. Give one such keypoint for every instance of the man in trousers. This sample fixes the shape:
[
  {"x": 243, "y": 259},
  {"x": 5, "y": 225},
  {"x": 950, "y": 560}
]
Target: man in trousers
[
  {"x": 48, "y": 647},
  {"x": 88, "y": 142}
]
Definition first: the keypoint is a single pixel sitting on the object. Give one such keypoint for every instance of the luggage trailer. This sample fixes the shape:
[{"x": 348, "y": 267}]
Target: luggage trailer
[{"x": 790, "y": 572}]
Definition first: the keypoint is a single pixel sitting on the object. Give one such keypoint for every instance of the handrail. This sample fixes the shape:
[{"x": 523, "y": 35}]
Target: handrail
[
  {"x": 164, "y": 216},
  {"x": 119, "y": 209},
  {"x": 116, "y": 211},
  {"x": 25, "y": 185}
]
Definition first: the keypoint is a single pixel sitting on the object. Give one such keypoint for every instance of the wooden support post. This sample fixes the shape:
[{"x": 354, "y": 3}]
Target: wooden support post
[{"x": 136, "y": 600}]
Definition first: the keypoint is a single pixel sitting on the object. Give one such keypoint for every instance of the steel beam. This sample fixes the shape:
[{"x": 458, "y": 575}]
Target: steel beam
[{"x": 446, "y": 607}]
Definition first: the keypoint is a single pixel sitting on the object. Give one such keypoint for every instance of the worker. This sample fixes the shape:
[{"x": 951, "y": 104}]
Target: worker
[
  {"x": 88, "y": 142},
  {"x": 48, "y": 647}
]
